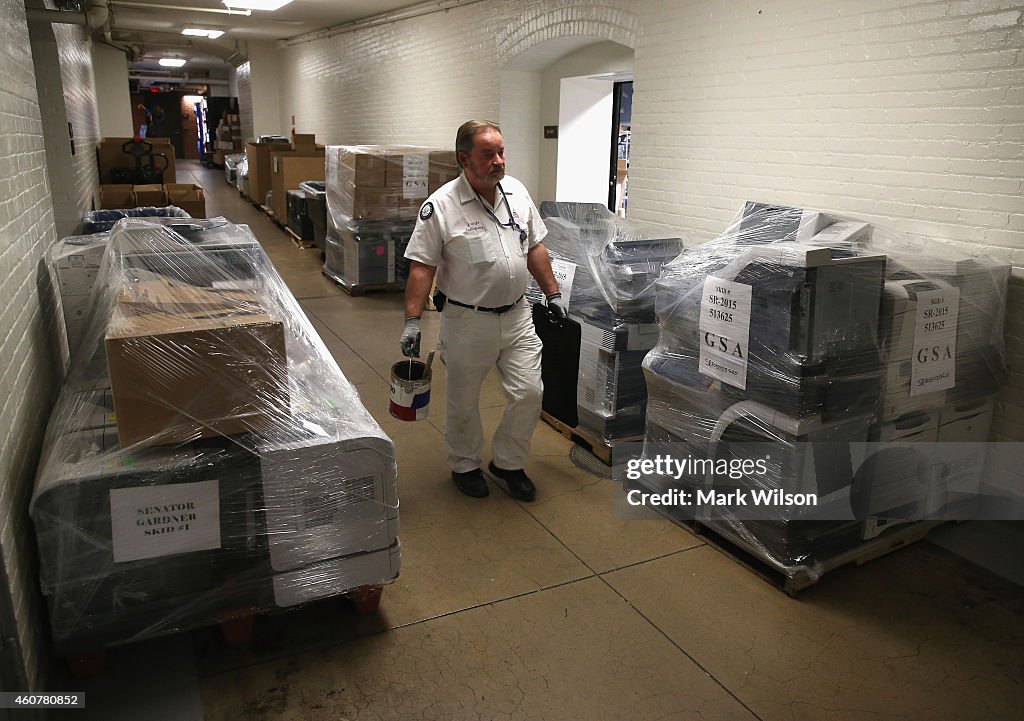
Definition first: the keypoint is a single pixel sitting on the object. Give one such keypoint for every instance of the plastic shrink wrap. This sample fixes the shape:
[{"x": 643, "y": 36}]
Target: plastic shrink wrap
[
  {"x": 242, "y": 176},
  {"x": 73, "y": 264},
  {"x": 373, "y": 195},
  {"x": 206, "y": 457},
  {"x": 99, "y": 221},
  {"x": 231, "y": 163},
  {"x": 607, "y": 268},
  {"x": 777, "y": 343}
]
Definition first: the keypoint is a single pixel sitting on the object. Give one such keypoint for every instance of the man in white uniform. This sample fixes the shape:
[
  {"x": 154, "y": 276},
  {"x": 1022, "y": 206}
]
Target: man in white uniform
[{"x": 481, "y": 234}]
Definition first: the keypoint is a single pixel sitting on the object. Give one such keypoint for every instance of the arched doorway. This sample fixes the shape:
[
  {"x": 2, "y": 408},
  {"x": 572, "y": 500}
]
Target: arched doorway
[{"x": 568, "y": 84}]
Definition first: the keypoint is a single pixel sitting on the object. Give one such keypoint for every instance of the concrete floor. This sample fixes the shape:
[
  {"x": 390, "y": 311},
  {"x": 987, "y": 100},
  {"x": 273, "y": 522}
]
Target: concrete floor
[{"x": 555, "y": 610}]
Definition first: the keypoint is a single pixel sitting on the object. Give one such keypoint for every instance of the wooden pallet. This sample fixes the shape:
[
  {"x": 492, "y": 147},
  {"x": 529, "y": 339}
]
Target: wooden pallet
[
  {"x": 299, "y": 242},
  {"x": 362, "y": 289},
  {"x": 600, "y": 447},
  {"x": 785, "y": 579}
]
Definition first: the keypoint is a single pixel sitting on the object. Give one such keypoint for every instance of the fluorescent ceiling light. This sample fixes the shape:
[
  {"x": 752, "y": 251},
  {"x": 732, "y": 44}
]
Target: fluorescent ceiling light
[
  {"x": 172, "y": 62},
  {"x": 268, "y": 5},
  {"x": 200, "y": 33},
  {"x": 193, "y": 99}
]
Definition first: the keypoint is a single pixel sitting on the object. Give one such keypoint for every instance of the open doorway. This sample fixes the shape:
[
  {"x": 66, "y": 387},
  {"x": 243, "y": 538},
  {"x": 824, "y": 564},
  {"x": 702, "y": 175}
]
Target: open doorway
[
  {"x": 531, "y": 118},
  {"x": 618, "y": 175},
  {"x": 592, "y": 137}
]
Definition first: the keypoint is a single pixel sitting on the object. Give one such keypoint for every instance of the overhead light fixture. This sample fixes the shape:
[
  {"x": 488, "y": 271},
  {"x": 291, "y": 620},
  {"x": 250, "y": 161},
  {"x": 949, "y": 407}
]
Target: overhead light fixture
[
  {"x": 267, "y": 5},
  {"x": 200, "y": 33},
  {"x": 129, "y": 4},
  {"x": 172, "y": 62}
]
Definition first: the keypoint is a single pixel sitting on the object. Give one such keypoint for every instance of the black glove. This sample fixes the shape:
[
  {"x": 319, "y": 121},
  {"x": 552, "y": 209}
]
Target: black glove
[
  {"x": 555, "y": 309},
  {"x": 410, "y": 341}
]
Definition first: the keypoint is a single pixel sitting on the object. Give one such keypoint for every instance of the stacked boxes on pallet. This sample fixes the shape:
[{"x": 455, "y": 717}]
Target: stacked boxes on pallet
[
  {"x": 373, "y": 195},
  {"x": 776, "y": 347},
  {"x": 227, "y": 138},
  {"x": 608, "y": 266},
  {"x": 206, "y": 456}
]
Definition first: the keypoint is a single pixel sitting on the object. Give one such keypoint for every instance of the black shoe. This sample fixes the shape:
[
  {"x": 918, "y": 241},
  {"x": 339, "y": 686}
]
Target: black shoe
[
  {"x": 472, "y": 483},
  {"x": 515, "y": 483}
]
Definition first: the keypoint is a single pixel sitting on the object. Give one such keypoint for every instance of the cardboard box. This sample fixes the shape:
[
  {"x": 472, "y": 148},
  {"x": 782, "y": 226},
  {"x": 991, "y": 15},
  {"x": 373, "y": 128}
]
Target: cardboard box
[
  {"x": 303, "y": 140},
  {"x": 258, "y": 155},
  {"x": 443, "y": 168},
  {"x": 188, "y": 197},
  {"x": 364, "y": 170},
  {"x": 150, "y": 196},
  {"x": 116, "y": 197},
  {"x": 287, "y": 171},
  {"x": 110, "y": 158},
  {"x": 371, "y": 204},
  {"x": 186, "y": 362}
]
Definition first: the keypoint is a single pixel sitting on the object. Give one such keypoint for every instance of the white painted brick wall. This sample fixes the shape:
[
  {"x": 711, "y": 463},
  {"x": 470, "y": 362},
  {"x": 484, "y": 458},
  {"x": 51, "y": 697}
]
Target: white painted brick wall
[
  {"x": 28, "y": 378},
  {"x": 75, "y": 54},
  {"x": 243, "y": 79},
  {"x": 906, "y": 113}
]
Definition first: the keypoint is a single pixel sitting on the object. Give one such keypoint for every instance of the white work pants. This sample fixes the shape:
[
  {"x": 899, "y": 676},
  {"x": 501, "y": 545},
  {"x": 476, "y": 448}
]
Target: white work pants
[{"x": 472, "y": 342}]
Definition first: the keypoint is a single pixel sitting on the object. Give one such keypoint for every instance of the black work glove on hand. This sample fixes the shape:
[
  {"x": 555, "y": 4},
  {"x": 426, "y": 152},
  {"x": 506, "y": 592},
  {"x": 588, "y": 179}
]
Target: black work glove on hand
[
  {"x": 410, "y": 341},
  {"x": 555, "y": 309}
]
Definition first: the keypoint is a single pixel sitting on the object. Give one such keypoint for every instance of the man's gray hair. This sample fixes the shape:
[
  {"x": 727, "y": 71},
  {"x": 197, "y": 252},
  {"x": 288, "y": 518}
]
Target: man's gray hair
[{"x": 468, "y": 131}]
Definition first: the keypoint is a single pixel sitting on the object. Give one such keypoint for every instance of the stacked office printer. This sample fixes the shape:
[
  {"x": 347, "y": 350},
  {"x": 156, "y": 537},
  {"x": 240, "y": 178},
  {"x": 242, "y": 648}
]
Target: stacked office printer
[
  {"x": 607, "y": 266},
  {"x": 768, "y": 350},
  {"x": 374, "y": 193},
  {"x": 941, "y": 335},
  {"x": 206, "y": 456},
  {"x": 776, "y": 343}
]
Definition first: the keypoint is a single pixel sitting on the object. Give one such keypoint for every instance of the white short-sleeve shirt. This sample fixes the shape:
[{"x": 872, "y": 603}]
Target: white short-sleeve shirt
[{"x": 479, "y": 261}]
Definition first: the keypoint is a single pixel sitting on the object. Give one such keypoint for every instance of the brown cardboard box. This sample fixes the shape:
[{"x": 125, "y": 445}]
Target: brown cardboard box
[
  {"x": 116, "y": 197},
  {"x": 408, "y": 208},
  {"x": 303, "y": 140},
  {"x": 370, "y": 203},
  {"x": 287, "y": 171},
  {"x": 443, "y": 161},
  {"x": 258, "y": 155},
  {"x": 185, "y": 362},
  {"x": 150, "y": 196},
  {"x": 443, "y": 168},
  {"x": 110, "y": 156},
  {"x": 188, "y": 197},
  {"x": 361, "y": 169}
]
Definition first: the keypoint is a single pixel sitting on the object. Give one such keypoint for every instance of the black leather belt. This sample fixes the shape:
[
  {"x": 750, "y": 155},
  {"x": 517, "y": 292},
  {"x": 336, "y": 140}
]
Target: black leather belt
[{"x": 500, "y": 309}]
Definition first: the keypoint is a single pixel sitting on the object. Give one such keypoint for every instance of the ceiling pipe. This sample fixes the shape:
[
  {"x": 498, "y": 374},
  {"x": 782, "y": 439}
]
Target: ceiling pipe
[
  {"x": 40, "y": 15},
  {"x": 99, "y": 16},
  {"x": 414, "y": 11},
  {"x": 178, "y": 79},
  {"x": 154, "y": 6}
]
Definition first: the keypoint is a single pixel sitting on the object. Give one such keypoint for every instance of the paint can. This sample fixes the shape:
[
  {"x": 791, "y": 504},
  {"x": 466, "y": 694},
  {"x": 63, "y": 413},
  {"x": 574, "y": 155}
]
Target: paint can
[{"x": 410, "y": 389}]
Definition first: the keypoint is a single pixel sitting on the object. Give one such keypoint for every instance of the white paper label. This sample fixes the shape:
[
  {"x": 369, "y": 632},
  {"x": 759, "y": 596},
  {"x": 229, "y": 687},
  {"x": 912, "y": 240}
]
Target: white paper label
[
  {"x": 725, "y": 330},
  {"x": 934, "y": 358},
  {"x": 154, "y": 521},
  {"x": 564, "y": 273},
  {"x": 415, "y": 173}
]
